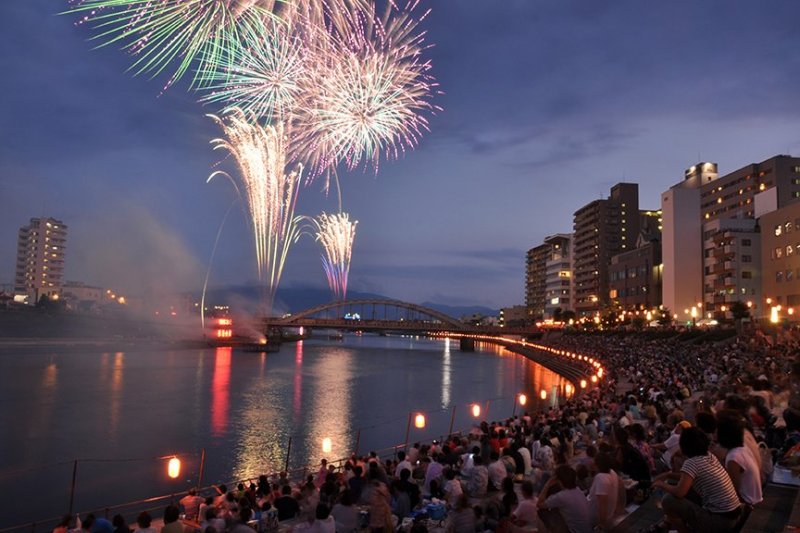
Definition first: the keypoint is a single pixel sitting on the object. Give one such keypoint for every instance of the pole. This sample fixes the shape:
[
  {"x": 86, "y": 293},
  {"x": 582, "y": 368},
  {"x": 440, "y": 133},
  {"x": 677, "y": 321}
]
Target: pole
[
  {"x": 72, "y": 488},
  {"x": 358, "y": 441},
  {"x": 202, "y": 467},
  {"x": 514, "y": 411},
  {"x": 288, "y": 452},
  {"x": 452, "y": 420},
  {"x": 408, "y": 430}
]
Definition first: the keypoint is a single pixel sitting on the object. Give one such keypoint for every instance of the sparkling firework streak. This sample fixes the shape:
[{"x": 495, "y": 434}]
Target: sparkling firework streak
[
  {"x": 336, "y": 234},
  {"x": 268, "y": 190},
  {"x": 158, "y": 32}
]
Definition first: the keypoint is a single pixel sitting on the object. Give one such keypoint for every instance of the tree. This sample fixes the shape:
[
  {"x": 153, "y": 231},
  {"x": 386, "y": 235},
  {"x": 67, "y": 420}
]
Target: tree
[
  {"x": 739, "y": 310},
  {"x": 558, "y": 314},
  {"x": 665, "y": 317}
]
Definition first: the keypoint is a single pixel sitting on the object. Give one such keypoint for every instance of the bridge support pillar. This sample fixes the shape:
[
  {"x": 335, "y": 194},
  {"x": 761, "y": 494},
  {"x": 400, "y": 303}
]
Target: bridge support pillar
[{"x": 467, "y": 345}]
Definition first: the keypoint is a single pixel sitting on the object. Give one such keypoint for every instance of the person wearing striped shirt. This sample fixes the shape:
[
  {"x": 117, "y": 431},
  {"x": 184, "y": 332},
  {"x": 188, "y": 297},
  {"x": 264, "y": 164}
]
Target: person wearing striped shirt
[{"x": 719, "y": 510}]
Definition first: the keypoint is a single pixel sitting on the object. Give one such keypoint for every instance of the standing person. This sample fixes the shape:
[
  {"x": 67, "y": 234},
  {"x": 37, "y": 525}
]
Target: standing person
[
  {"x": 287, "y": 505},
  {"x": 719, "y": 509},
  {"x": 561, "y": 494}
]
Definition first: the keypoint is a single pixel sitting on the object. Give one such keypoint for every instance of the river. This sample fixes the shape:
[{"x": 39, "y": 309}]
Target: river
[{"x": 123, "y": 414}]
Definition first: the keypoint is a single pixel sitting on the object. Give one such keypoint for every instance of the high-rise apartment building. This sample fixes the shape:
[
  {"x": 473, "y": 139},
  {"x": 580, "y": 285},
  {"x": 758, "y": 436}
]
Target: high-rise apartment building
[
  {"x": 40, "y": 259},
  {"x": 535, "y": 278},
  {"x": 558, "y": 274},
  {"x": 602, "y": 228},
  {"x": 780, "y": 261},
  {"x": 705, "y": 262}
]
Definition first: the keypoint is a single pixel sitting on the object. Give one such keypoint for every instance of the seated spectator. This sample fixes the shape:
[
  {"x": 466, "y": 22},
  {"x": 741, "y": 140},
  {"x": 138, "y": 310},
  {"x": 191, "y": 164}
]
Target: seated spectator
[{"x": 562, "y": 505}]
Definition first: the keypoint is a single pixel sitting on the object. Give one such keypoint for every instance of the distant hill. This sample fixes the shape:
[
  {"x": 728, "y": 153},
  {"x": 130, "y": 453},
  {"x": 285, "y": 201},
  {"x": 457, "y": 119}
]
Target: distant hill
[{"x": 295, "y": 299}]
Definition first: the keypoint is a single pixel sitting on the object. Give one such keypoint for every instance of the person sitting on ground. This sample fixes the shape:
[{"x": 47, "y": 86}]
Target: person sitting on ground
[
  {"x": 562, "y": 505},
  {"x": 476, "y": 479},
  {"x": 143, "y": 522},
  {"x": 287, "y": 505},
  {"x": 739, "y": 461},
  {"x": 452, "y": 487},
  {"x": 345, "y": 514},
  {"x": 401, "y": 502},
  {"x": 191, "y": 504},
  {"x": 433, "y": 472},
  {"x": 212, "y": 521},
  {"x": 402, "y": 463},
  {"x": 411, "y": 488},
  {"x": 120, "y": 526},
  {"x": 461, "y": 518},
  {"x": 525, "y": 516},
  {"x": 719, "y": 509},
  {"x": 171, "y": 522},
  {"x": 497, "y": 472},
  {"x": 604, "y": 493}
]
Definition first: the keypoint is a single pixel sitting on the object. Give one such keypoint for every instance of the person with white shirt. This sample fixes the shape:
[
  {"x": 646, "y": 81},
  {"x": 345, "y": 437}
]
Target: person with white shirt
[
  {"x": 497, "y": 471},
  {"x": 403, "y": 464},
  {"x": 604, "y": 493},
  {"x": 740, "y": 464},
  {"x": 434, "y": 471}
]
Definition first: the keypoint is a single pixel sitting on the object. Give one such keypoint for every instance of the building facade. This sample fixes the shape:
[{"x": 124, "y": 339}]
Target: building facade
[
  {"x": 694, "y": 272},
  {"x": 535, "y": 281},
  {"x": 602, "y": 229},
  {"x": 731, "y": 266},
  {"x": 635, "y": 277},
  {"x": 40, "y": 259},
  {"x": 558, "y": 274},
  {"x": 780, "y": 259}
]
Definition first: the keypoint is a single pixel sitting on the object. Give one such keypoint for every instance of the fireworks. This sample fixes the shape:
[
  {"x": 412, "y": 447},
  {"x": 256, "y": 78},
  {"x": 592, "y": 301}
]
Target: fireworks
[
  {"x": 159, "y": 32},
  {"x": 371, "y": 94},
  {"x": 269, "y": 192},
  {"x": 336, "y": 233},
  {"x": 267, "y": 78}
]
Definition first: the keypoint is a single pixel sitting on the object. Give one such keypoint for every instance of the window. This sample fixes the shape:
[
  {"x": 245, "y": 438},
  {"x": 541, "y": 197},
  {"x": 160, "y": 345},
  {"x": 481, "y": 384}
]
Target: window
[
  {"x": 777, "y": 253},
  {"x": 789, "y": 275},
  {"x": 789, "y": 250},
  {"x": 779, "y": 276},
  {"x": 745, "y": 242},
  {"x": 746, "y": 274},
  {"x": 787, "y": 228},
  {"x": 778, "y": 230},
  {"x": 747, "y": 259}
]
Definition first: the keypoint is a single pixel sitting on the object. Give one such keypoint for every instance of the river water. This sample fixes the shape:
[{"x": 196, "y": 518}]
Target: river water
[{"x": 122, "y": 414}]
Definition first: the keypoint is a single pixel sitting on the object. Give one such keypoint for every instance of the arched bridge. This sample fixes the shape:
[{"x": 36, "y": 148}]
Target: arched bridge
[{"x": 383, "y": 315}]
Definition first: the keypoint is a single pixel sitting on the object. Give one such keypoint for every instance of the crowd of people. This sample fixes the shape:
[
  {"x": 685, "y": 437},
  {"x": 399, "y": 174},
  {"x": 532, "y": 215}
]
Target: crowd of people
[{"x": 696, "y": 426}]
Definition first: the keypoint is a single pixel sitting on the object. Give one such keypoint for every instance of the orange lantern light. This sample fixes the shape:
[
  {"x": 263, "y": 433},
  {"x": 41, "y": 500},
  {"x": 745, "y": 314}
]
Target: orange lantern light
[
  {"x": 522, "y": 399},
  {"x": 174, "y": 468},
  {"x": 583, "y": 383},
  {"x": 327, "y": 445},
  {"x": 419, "y": 421},
  {"x": 476, "y": 410},
  {"x": 543, "y": 394}
]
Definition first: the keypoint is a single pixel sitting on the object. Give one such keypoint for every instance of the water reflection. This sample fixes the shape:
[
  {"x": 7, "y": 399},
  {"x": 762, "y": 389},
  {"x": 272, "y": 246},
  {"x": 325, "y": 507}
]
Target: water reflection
[
  {"x": 116, "y": 390},
  {"x": 297, "y": 395},
  {"x": 220, "y": 391},
  {"x": 331, "y": 411},
  {"x": 446, "y": 369}
]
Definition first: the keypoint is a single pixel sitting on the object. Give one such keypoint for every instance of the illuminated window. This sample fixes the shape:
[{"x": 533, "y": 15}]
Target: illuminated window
[
  {"x": 778, "y": 230},
  {"x": 789, "y": 250}
]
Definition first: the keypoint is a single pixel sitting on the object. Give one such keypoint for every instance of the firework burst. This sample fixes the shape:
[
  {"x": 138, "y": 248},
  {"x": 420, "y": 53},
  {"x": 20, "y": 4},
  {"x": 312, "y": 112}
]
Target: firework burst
[
  {"x": 371, "y": 94},
  {"x": 268, "y": 190},
  {"x": 336, "y": 234},
  {"x": 160, "y": 32}
]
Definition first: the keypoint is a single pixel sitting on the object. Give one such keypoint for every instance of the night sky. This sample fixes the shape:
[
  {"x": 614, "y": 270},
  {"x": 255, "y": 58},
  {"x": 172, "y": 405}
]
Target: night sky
[{"x": 546, "y": 104}]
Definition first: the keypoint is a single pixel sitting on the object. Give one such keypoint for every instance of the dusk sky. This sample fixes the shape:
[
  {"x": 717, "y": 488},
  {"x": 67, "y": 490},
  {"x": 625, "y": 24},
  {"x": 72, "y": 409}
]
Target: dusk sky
[{"x": 546, "y": 104}]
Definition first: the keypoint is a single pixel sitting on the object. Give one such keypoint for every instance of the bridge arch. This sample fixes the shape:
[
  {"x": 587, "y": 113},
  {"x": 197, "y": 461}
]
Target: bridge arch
[{"x": 375, "y": 303}]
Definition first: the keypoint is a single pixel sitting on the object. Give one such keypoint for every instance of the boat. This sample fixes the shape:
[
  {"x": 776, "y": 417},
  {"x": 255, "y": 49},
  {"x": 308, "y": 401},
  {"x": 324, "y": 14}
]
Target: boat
[{"x": 336, "y": 336}]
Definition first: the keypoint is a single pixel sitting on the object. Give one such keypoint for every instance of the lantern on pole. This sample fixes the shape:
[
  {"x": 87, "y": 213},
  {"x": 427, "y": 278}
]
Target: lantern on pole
[
  {"x": 522, "y": 399},
  {"x": 327, "y": 446},
  {"x": 174, "y": 468},
  {"x": 419, "y": 421},
  {"x": 476, "y": 410}
]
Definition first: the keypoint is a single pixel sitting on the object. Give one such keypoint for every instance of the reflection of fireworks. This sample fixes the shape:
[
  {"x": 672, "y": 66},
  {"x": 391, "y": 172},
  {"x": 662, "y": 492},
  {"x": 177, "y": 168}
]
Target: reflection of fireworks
[
  {"x": 270, "y": 192},
  {"x": 161, "y": 31},
  {"x": 336, "y": 234}
]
